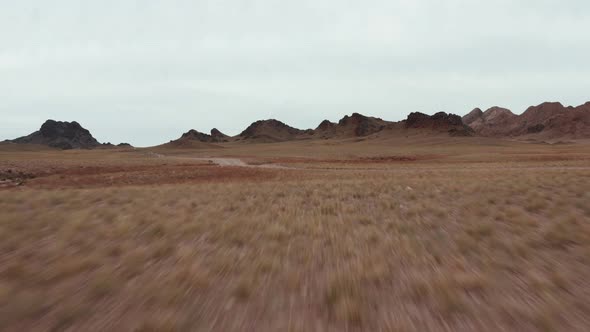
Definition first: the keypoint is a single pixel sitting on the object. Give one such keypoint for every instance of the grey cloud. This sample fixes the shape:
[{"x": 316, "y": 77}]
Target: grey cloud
[{"x": 145, "y": 71}]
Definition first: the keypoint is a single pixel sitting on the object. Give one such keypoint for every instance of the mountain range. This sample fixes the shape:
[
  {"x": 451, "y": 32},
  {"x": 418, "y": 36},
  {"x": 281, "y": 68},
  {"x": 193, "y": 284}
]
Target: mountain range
[
  {"x": 547, "y": 121},
  {"x": 355, "y": 125}
]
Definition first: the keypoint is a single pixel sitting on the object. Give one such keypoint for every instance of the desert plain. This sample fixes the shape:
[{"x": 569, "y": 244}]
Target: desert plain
[{"x": 407, "y": 234}]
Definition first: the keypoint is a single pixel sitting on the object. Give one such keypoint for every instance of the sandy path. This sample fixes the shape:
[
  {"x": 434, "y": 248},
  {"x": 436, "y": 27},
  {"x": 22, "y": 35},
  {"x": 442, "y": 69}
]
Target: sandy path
[
  {"x": 235, "y": 162},
  {"x": 225, "y": 161}
]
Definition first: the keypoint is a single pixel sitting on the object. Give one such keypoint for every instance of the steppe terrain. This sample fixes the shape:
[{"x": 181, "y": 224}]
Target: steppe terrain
[{"x": 381, "y": 234}]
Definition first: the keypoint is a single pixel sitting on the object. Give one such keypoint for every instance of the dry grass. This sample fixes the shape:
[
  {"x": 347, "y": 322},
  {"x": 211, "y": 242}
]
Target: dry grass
[{"x": 431, "y": 246}]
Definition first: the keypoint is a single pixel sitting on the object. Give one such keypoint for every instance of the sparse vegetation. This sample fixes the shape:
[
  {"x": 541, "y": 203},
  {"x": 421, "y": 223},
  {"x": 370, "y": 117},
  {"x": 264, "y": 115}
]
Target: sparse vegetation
[{"x": 153, "y": 245}]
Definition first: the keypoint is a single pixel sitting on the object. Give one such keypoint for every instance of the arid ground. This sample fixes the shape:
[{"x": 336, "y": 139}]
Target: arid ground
[{"x": 433, "y": 234}]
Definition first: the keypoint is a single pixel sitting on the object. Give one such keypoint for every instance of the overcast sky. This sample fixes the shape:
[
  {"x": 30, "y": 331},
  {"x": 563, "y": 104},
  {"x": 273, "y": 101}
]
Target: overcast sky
[{"x": 144, "y": 71}]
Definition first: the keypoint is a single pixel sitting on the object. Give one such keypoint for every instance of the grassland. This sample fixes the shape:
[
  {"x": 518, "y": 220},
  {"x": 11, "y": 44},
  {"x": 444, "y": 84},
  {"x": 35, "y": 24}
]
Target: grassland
[{"x": 436, "y": 236}]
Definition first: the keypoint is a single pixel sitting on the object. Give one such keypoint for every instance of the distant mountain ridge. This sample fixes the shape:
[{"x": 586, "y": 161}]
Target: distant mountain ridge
[
  {"x": 355, "y": 125},
  {"x": 550, "y": 120},
  {"x": 547, "y": 120}
]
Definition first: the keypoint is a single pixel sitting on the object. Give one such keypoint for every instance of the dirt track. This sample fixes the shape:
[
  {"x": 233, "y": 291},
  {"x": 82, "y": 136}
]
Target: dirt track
[
  {"x": 226, "y": 161},
  {"x": 235, "y": 162},
  {"x": 217, "y": 161}
]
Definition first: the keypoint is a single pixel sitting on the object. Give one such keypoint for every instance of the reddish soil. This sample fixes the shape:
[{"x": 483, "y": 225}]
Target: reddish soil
[{"x": 113, "y": 176}]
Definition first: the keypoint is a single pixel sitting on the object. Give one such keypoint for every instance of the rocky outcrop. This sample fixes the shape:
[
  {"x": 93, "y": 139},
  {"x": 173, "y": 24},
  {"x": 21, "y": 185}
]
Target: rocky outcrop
[
  {"x": 218, "y": 136},
  {"x": 325, "y": 125},
  {"x": 439, "y": 122},
  {"x": 472, "y": 116},
  {"x": 361, "y": 125},
  {"x": 494, "y": 121},
  {"x": 546, "y": 121},
  {"x": 355, "y": 125},
  {"x": 197, "y": 136},
  {"x": 271, "y": 131},
  {"x": 61, "y": 135},
  {"x": 192, "y": 139}
]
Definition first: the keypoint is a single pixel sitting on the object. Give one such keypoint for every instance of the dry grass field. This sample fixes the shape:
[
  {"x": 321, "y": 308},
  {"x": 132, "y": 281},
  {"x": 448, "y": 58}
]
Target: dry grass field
[{"x": 436, "y": 235}]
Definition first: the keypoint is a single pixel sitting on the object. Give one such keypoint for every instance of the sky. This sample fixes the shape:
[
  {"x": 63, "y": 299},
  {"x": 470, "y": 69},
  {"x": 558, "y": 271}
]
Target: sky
[{"x": 145, "y": 71}]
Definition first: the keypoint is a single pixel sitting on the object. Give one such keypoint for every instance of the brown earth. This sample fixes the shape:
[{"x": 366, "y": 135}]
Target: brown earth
[{"x": 424, "y": 233}]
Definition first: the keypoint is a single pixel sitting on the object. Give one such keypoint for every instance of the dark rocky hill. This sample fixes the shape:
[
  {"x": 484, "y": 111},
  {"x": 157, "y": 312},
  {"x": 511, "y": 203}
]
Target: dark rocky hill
[{"x": 62, "y": 135}]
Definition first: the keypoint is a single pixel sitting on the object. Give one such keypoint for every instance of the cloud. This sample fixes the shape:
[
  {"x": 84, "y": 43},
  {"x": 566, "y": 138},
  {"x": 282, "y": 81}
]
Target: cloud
[{"x": 157, "y": 68}]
